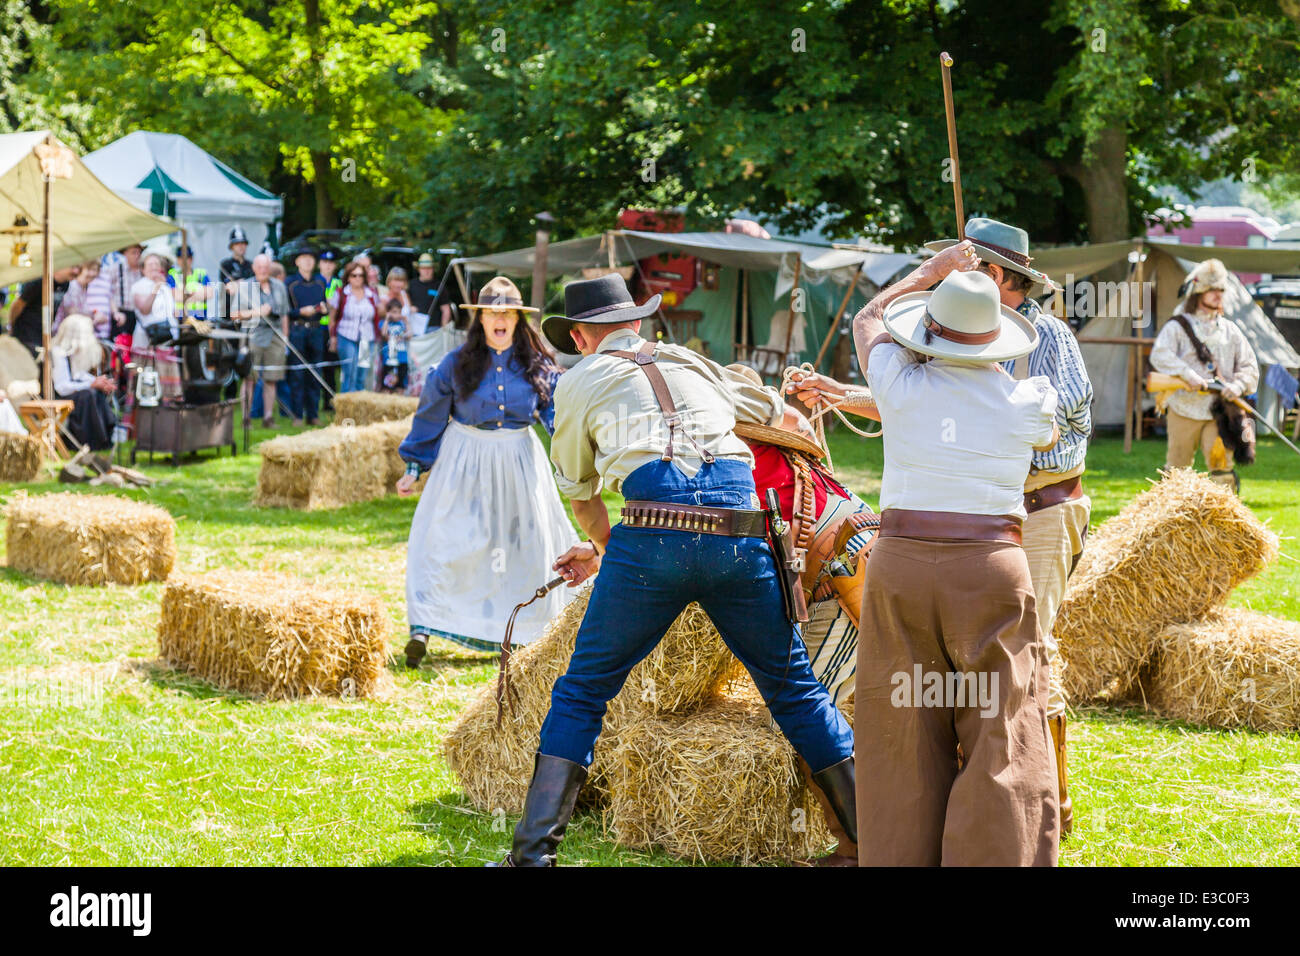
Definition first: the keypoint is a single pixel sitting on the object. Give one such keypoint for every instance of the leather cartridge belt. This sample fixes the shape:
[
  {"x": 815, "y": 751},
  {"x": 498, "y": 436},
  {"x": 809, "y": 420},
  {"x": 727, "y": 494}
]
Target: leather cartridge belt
[
  {"x": 700, "y": 519},
  {"x": 899, "y": 522},
  {"x": 1049, "y": 495}
]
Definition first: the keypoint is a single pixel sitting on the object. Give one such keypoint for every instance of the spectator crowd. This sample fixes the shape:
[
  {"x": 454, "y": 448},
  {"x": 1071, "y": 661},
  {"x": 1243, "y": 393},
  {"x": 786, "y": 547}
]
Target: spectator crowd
[{"x": 328, "y": 327}]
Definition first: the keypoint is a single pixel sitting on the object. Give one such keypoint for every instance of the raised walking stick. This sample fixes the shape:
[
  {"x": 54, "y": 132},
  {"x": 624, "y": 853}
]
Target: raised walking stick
[
  {"x": 945, "y": 68},
  {"x": 506, "y": 694}
]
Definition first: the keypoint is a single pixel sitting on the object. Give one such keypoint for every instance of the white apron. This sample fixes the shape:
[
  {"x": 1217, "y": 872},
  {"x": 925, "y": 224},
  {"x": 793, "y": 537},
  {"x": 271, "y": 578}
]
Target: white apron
[{"x": 488, "y": 527}]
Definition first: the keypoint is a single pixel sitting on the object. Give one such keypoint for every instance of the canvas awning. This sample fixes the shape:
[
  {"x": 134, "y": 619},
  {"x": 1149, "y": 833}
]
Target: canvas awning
[
  {"x": 87, "y": 218},
  {"x": 733, "y": 249}
]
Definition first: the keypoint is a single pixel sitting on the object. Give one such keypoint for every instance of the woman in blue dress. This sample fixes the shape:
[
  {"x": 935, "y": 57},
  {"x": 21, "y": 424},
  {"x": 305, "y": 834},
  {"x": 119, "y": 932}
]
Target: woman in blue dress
[{"x": 490, "y": 520}]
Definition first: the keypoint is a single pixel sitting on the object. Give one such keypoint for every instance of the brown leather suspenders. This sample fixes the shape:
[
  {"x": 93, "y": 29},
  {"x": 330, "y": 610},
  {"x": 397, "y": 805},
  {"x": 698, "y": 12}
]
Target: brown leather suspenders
[{"x": 644, "y": 357}]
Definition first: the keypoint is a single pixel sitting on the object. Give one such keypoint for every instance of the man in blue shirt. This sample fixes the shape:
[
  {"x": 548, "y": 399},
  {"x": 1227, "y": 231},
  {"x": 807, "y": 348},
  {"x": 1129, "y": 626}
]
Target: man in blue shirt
[
  {"x": 307, "y": 336},
  {"x": 1058, "y": 510}
]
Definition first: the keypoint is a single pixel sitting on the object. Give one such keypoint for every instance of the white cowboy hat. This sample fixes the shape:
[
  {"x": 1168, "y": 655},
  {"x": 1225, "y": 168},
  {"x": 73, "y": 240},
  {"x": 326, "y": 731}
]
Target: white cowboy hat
[{"x": 961, "y": 319}]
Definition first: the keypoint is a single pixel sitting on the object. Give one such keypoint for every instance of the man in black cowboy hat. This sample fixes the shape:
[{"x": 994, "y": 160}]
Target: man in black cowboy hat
[
  {"x": 656, "y": 424},
  {"x": 1057, "y": 508}
]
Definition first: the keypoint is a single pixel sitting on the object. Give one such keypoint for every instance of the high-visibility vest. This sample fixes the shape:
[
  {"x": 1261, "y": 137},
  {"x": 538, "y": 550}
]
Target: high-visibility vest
[
  {"x": 331, "y": 288},
  {"x": 197, "y": 282}
]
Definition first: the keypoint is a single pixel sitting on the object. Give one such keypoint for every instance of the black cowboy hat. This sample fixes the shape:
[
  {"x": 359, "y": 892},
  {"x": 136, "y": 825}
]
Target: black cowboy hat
[{"x": 601, "y": 301}]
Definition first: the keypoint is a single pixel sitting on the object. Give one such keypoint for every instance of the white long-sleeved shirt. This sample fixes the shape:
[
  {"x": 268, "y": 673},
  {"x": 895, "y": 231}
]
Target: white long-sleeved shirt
[
  {"x": 66, "y": 384},
  {"x": 1234, "y": 361}
]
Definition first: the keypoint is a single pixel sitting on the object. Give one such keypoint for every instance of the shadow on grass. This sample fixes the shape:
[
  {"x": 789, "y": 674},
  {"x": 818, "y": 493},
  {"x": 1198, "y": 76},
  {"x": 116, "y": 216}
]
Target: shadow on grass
[
  {"x": 164, "y": 676},
  {"x": 459, "y": 835}
]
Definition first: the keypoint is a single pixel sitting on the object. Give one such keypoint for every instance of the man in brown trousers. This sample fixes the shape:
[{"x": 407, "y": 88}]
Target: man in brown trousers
[{"x": 950, "y": 652}]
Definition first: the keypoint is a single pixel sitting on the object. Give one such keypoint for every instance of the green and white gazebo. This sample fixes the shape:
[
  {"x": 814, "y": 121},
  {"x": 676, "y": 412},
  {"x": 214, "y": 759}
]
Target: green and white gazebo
[{"x": 166, "y": 174}]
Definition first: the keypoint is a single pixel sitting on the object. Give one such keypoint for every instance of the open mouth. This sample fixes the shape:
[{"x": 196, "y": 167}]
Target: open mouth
[{"x": 500, "y": 331}]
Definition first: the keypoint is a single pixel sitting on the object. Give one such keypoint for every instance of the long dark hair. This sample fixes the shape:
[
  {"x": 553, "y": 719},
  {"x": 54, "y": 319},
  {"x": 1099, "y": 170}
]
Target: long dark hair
[{"x": 475, "y": 357}]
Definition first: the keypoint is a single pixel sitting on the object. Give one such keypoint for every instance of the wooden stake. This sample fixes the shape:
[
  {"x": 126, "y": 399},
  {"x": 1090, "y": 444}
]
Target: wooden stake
[
  {"x": 945, "y": 68},
  {"x": 835, "y": 322},
  {"x": 47, "y": 295}
]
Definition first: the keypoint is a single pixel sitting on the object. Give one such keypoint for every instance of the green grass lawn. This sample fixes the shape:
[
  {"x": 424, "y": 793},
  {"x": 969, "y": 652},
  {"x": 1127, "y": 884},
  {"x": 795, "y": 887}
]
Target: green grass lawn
[{"x": 108, "y": 757}]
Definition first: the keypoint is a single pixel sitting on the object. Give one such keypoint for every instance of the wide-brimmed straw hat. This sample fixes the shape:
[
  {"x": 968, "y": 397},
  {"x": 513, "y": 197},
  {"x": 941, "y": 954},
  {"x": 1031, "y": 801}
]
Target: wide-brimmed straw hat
[
  {"x": 1006, "y": 245},
  {"x": 771, "y": 434},
  {"x": 962, "y": 318},
  {"x": 500, "y": 293},
  {"x": 604, "y": 300}
]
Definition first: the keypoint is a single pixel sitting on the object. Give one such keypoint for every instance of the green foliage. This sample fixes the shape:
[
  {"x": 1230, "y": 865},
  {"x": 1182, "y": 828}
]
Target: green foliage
[
  {"x": 264, "y": 86},
  {"x": 460, "y": 122},
  {"x": 1202, "y": 90}
]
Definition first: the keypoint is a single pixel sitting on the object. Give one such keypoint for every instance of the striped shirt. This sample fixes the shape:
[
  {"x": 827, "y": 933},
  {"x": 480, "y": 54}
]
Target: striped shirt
[{"x": 1057, "y": 357}]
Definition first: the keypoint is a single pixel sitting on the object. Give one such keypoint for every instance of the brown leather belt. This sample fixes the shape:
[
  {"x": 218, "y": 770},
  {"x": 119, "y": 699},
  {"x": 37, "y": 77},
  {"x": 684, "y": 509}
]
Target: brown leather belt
[
  {"x": 899, "y": 522},
  {"x": 698, "y": 519},
  {"x": 1049, "y": 495}
]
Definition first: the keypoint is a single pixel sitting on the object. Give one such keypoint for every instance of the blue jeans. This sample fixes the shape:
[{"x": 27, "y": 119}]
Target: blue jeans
[
  {"x": 351, "y": 377},
  {"x": 302, "y": 390},
  {"x": 648, "y": 577}
]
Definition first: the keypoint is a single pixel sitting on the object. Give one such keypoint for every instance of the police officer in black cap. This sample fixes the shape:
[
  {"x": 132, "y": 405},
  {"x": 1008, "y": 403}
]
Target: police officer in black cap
[{"x": 235, "y": 268}]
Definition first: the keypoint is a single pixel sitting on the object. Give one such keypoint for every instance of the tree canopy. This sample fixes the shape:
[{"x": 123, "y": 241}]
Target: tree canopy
[{"x": 460, "y": 122}]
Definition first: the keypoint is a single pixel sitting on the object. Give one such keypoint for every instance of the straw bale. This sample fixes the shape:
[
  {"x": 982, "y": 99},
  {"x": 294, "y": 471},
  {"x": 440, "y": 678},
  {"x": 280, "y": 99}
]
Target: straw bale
[
  {"x": 689, "y": 667},
  {"x": 366, "y": 408},
  {"x": 1233, "y": 668},
  {"x": 275, "y": 635},
  {"x": 1177, "y": 550},
  {"x": 324, "y": 468},
  {"x": 20, "y": 456},
  {"x": 89, "y": 538},
  {"x": 719, "y": 784}
]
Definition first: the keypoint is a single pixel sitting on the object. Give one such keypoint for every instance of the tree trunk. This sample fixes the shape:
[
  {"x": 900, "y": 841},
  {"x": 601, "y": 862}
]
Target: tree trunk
[
  {"x": 326, "y": 216},
  {"x": 1105, "y": 193}
]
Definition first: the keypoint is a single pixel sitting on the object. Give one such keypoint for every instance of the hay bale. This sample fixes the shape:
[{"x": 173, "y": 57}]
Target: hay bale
[
  {"x": 20, "y": 456},
  {"x": 275, "y": 635},
  {"x": 719, "y": 784},
  {"x": 1233, "y": 668},
  {"x": 90, "y": 539},
  {"x": 391, "y": 435},
  {"x": 367, "y": 408},
  {"x": 324, "y": 468},
  {"x": 690, "y": 666},
  {"x": 1177, "y": 550}
]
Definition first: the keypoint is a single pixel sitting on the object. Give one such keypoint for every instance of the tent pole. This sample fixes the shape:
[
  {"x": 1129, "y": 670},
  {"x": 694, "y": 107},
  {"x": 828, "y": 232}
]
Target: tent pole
[
  {"x": 1137, "y": 358},
  {"x": 835, "y": 322},
  {"x": 794, "y": 292},
  {"x": 744, "y": 307},
  {"x": 47, "y": 292},
  {"x": 185, "y": 277},
  {"x": 541, "y": 249},
  {"x": 460, "y": 281},
  {"x": 1128, "y": 399}
]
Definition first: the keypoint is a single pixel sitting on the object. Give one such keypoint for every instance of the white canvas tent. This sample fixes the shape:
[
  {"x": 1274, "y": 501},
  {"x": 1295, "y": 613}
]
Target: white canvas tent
[
  {"x": 1167, "y": 264},
  {"x": 165, "y": 173},
  {"x": 87, "y": 218}
]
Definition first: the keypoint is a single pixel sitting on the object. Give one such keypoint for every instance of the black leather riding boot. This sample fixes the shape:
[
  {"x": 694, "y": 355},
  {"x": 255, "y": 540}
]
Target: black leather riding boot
[
  {"x": 547, "y": 809},
  {"x": 840, "y": 789}
]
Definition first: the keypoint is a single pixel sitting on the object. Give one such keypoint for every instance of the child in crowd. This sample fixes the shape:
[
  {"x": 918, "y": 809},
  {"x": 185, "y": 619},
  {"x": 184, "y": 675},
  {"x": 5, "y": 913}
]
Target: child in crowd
[{"x": 395, "y": 334}]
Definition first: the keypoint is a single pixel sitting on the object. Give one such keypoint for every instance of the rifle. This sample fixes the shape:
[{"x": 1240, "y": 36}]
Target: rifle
[
  {"x": 781, "y": 540},
  {"x": 1161, "y": 385}
]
